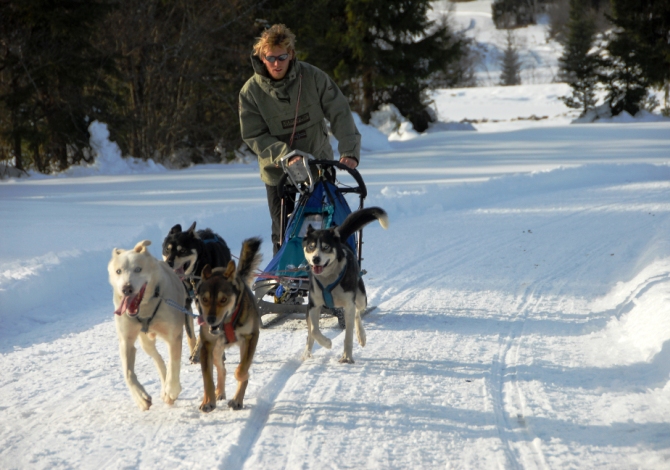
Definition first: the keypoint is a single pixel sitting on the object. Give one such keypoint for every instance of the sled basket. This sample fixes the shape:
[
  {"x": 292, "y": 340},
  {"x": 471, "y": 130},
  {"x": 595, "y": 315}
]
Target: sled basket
[{"x": 283, "y": 286}]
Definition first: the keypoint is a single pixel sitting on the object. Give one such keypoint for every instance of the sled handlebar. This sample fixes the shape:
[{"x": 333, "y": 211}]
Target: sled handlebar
[{"x": 361, "y": 190}]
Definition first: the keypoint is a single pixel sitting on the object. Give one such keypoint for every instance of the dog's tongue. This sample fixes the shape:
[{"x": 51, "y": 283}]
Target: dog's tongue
[
  {"x": 131, "y": 305},
  {"x": 317, "y": 269},
  {"x": 122, "y": 307},
  {"x": 200, "y": 320}
]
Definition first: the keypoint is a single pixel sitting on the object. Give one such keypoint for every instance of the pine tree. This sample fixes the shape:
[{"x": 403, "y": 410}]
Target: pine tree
[
  {"x": 511, "y": 62},
  {"x": 378, "y": 51},
  {"x": 625, "y": 79},
  {"x": 579, "y": 64},
  {"x": 643, "y": 29}
]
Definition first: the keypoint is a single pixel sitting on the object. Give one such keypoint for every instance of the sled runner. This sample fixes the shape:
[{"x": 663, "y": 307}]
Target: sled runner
[{"x": 282, "y": 288}]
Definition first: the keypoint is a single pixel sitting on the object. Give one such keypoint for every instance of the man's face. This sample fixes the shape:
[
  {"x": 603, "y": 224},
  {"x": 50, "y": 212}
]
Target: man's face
[{"x": 277, "y": 68}]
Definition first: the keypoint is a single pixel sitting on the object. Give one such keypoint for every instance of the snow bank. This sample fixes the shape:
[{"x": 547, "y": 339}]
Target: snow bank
[{"x": 108, "y": 158}]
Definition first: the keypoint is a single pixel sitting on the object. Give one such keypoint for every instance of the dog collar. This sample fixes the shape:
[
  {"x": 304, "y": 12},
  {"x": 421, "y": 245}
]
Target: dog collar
[{"x": 327, "y": 291}]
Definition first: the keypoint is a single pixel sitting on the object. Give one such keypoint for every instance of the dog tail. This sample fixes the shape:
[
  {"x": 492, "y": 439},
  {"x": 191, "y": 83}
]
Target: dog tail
[
  {"x": 250, "y": 259},
  {"x": 359, "y": 219}
]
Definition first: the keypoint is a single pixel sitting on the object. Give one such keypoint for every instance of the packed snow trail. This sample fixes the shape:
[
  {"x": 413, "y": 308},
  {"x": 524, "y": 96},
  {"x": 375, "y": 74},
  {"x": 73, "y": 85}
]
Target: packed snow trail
[{"x": 521, "y": 320}]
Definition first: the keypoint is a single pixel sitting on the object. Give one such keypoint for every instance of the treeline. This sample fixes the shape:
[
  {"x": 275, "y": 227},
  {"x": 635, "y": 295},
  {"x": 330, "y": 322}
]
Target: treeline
[
  {"x": 165, "y": 74},
  {"x": 619, "y": 47},
  {"x": 625, "y": 61}
]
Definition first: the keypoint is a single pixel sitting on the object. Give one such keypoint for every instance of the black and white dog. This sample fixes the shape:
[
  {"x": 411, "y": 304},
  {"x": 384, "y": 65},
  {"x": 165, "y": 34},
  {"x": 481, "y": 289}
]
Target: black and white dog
[
  {"x": 190, "y": 251},
  {"x": 335, "y": 279}
]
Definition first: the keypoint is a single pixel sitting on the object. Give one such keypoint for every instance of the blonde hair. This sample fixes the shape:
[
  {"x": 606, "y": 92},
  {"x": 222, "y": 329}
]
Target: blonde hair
[{"x": 276, "y": 35}]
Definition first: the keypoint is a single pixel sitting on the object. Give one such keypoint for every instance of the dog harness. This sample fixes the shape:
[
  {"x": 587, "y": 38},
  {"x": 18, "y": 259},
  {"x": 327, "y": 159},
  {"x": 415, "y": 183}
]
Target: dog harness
[
  {"x": 327, "y": 291},
  {"x": 229, "y": 328},
  {"x": 145, "y": 322}
]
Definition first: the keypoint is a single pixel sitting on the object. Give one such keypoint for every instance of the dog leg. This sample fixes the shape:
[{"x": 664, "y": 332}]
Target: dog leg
[
  {"x": 192, "y": 340},
  {"x": 170, "y": 386},
  {"x": 172, "y": 382},
  {"x": 195, "y": 351},
  {"x": 361, "y": 305},
  {"x": 219, "y": 358},
  {"x": 128, "y": 351},
  {"x": 310, "y": 339},
  {"x": 209, "y": 399},
  {"x": 316, "y": 334},
  {"x": 148, "y": 344},
  {"x": 349, "y": 316},
  {"x": 247, "y": 351}
]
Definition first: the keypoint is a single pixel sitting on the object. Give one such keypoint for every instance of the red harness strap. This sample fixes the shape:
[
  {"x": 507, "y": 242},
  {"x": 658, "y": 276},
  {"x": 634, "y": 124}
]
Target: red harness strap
[{"x": 229, "y": 328}]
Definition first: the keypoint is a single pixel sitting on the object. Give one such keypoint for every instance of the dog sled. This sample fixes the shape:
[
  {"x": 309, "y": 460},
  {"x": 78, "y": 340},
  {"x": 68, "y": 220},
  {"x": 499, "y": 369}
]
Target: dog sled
[{"x": 282, "y": 288}]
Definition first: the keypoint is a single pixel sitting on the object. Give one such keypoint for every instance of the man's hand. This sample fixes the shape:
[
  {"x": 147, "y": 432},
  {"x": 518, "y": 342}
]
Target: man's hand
[{"x": 349, "y": 162}]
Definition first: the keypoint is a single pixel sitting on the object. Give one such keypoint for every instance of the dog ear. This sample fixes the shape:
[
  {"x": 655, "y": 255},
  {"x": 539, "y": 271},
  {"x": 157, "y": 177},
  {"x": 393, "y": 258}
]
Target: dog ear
[
  {"x": 191, "y": 228},
  {"x": 141, "y": 246},
  {"x": 175, "y": 229},
  {"x": 206, "y": 272},
  {"x": 336, "y": 233},
  {"x": 117, "y": 251},
  {"x": 310, "y": 229},
  {"x": 230, "y": 270}
]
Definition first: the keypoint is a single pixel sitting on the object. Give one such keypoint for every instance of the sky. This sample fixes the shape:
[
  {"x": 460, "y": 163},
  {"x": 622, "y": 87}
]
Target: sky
[{"x": 521, "y": 298}]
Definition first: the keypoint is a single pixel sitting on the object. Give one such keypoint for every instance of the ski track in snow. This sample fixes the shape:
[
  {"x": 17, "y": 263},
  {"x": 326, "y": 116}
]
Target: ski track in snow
[{"x": 522, "y": 294}]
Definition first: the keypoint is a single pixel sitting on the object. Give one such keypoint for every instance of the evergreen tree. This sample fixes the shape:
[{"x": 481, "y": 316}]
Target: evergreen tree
[
  {"x": 644, "y": 28},
  {"x": 625, "y": 79},
  {"x": 379, "y": 51},
  {"x": 579, "y": 64},
  {"x": 511, "y": 62}
]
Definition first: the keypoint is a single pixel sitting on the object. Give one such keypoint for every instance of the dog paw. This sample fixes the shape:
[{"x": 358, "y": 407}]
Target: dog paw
[
  {"x": 207, "y": 407},
  {"x": 306, "y": 355},
  {"x": 195, "y": 359},
  {"x": 361, "y": 338},
  {"x": 143, "y": 401},
  {"x": 171, "y": 393},
  {"x": 220, "y": 395},
  {"x": 346, "y": 359},
  {"x": 235, "y": 405},
  {"x": 323, "y": 341}
]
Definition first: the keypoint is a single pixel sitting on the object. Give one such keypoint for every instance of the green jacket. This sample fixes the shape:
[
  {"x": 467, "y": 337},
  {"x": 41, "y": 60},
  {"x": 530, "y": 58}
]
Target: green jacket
[{"x": 268, "y": 110}]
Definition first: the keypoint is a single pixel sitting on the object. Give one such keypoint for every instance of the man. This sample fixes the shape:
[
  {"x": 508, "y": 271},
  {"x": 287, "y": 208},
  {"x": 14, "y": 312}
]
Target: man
[{"x": 283, "y": 107}]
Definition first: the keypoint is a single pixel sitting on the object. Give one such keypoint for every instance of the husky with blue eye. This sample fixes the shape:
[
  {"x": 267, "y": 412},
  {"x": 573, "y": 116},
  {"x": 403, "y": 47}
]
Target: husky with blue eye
[
  {"x": 335, "y": 279},
  {"x": 146, "y": 292}
]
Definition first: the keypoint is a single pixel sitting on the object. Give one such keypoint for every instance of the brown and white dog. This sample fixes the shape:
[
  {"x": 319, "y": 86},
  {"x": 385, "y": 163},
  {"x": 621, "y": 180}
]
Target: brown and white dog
[
  {"x": 146, "y": 292},
  {"x": 335, "y": 279},
  {"x": 228, "y": 316}
]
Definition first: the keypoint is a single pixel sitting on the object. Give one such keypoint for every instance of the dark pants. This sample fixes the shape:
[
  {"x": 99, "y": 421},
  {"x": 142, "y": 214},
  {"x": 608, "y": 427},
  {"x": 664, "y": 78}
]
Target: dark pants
[{"x": 274, "y": 204}]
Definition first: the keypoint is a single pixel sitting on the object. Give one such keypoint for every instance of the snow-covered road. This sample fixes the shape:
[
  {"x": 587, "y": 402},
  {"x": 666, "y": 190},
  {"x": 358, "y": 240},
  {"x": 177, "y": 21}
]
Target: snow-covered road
[{"x": 522, "y": 320}]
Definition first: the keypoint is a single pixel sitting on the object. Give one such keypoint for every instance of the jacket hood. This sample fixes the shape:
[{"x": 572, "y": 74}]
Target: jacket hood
[
  {"x": 275, "y": 88},
  {"x": 262, "y": 71}
]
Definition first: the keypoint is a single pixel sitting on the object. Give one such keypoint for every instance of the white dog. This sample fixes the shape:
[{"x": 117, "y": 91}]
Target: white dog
[{"x": 147, "y": 296}]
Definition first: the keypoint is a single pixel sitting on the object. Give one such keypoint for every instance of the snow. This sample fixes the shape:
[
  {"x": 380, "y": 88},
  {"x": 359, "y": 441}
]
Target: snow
[{"x": 522, "y": 297}]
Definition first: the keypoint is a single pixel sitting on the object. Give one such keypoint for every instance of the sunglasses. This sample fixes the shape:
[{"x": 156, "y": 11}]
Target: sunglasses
[{"x": 273, "y": 58}]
